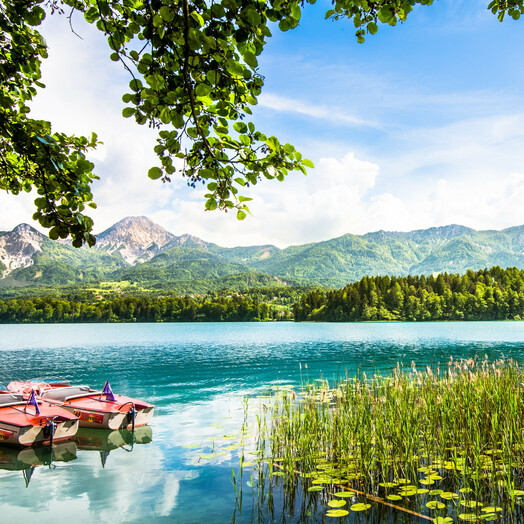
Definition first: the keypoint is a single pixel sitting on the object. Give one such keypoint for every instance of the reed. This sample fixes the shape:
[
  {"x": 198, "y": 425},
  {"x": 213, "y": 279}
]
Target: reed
[{"x": 443, "y": 445}]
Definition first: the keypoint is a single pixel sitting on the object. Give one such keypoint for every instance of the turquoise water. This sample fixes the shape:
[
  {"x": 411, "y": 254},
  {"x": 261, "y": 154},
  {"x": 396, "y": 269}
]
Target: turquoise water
[{"x": 197, "y": 376}]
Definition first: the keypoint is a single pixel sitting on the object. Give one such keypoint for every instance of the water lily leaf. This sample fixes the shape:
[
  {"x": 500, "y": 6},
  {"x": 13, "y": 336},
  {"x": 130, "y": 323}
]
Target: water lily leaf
[
  {"x": 337, "y": 513},
  {"x": 394, "y": 497},
  {"x": 315, "y": 488},
  {"x": 421, "y": 491},
  {"x": 448, "y": 495},
  {"x": 360, "y": 507},
  {"x": 388, "y": 484},
  {"x": 336, "y": 503},
  {"x": 435, "y": 504},
  {"x": 345, "y": 494},
  {"x": 443, "y": 520},
  {"x": 436, "y": 492},
  {"x": 427, "y": 482},
  {"x": 408, "y": 492},
  {"x": 210, "y": 456},
  {"x": 489, "y": 516},
  {"x": 471, "y": 504},
  {"x": 518, "y": 492},
  {"x": 469, "y": 517},
  {"x": 403, "y": 481},
  {"x": 465, "y": 490},
  {"x": 491, "y": 509}
]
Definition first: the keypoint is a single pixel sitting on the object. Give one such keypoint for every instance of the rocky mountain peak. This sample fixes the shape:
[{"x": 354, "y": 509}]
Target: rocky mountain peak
[
  {"x": 136, "y": 239},
  {"x": 18, "y": 247}
]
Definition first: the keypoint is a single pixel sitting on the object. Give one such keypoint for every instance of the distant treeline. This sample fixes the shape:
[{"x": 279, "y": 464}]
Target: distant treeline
[
  {"x": 490, "y": 294},
  {"x": 137, "y": 309}
]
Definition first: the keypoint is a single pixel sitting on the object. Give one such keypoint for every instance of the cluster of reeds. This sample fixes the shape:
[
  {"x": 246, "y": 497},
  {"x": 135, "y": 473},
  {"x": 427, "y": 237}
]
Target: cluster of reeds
[{"x": 440, "y": 444}]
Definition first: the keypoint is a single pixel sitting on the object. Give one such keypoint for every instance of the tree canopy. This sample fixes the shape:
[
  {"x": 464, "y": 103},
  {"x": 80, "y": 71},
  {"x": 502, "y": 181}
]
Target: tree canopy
[{"x": 194, "y": 77}]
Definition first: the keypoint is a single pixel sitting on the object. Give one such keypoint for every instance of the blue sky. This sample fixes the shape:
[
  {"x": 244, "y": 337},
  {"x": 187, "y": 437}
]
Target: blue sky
[{"x": 421, "y": 126}]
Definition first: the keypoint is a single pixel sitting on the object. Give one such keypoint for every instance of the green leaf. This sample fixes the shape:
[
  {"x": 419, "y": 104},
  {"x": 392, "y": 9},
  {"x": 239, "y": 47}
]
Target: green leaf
[
  {"x": 154, "y": 173},
  {"x": 211, "y": 204},
  {"x": 251, "y": 60},
  {"x": 241, "y": 215},
  {"x": 306, "y": 162},
  {"x": 372, "y": 28},
  {"x": 128, "y": 111},
  {"x": 240, "y": 127}
]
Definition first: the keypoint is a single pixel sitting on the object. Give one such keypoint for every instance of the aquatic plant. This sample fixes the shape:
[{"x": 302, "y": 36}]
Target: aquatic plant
[{"x": 442, "y": 445}]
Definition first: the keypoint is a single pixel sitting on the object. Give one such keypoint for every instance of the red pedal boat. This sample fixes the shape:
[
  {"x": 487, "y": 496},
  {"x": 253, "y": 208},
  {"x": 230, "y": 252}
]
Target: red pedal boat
[
  {"x": 25, "y": 421},
  {"x": 95, "y": 409}
]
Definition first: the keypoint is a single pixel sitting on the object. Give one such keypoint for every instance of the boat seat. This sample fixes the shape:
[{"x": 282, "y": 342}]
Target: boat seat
[
  {"x": 11, "y": 399},
  {"x": 66, "y": 393}
]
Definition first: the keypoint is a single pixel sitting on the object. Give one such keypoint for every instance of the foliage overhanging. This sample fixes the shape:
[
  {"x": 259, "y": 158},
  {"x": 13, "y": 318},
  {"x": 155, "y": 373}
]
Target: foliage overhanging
[{"x": 194, "y": 76}]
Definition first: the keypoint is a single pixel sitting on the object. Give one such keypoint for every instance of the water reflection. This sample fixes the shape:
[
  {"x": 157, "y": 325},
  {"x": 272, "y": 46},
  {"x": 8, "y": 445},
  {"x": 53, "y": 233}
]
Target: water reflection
[
  {"x": 27, "y": 459},
  {"x": 105, "y": 440},
  {"x": 196, "y": 375}
]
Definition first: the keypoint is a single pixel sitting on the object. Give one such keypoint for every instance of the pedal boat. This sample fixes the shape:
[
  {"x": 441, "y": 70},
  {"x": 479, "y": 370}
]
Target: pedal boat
[
  {"x": 95, "y": 409},
  {"x": 28, "y": 422}
]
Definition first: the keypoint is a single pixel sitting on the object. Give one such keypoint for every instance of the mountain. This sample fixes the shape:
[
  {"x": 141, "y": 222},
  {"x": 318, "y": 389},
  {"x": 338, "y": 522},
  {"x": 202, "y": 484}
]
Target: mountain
[
  {"x": 134, "y": 239},
  {"x": 348, "y": 258},
  {"x": 137, "y": 250},
  {"x": 18, "y": 247},
  {"x": 29, "y": 258}
]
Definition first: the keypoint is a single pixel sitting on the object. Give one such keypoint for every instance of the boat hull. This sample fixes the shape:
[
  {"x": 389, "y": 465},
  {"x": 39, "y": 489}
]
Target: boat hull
[
  {"x": 93, "y": 418},
  {"x": 94, "y": 409},
  {"x": 31, "y": 434}
]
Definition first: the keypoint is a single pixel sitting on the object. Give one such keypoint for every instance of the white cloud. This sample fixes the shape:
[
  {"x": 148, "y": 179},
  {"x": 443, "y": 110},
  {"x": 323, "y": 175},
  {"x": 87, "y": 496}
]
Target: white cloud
[{"x": 288, "y": 105}]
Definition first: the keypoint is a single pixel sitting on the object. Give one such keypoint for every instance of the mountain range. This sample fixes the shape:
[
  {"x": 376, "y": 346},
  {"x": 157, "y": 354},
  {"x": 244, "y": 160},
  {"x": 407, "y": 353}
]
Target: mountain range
[{"x": 138, "y": 250}]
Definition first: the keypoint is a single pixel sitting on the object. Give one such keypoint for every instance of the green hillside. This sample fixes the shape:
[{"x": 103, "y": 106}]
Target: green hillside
[{"x": 190, "y": 265}]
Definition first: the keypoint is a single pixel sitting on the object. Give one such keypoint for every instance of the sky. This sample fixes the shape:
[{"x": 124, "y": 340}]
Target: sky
[{"x": 420, "y": 126}]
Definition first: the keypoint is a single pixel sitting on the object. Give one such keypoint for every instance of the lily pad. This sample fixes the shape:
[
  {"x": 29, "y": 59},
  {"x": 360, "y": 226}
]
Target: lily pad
[
  {"x": 435, "y": 492},
  {"x": 469, "y": 517},
  {"x": 210, "y": 456},
  {"x": 408, "y": 492},
  {"x": 448, "y": 495},
  {"x": 360, "y": 507},
  {"x": 471, "y": 504},
  {"x": 315, "y": 488},
  {"x": 336, "y": 503},
  {"x": 388, "y": 484},
  {"x": 435, "y": 504},
  {"x": 465, "y": 490},
  {"x": 344, "y": 494},
  {"x": 491, "y": 509},
  {"x": 337, "y": 513},
  {"x": 443, "y": 520},
  {"x": 427, "y": 482},
  {"x": 394, "y": 497}
]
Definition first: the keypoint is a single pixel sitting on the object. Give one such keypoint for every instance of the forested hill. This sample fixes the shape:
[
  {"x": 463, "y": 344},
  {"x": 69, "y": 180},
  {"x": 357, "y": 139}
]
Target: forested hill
[
  {"x": 138, "y": 251},
  {"x": 490, "y": 294}
]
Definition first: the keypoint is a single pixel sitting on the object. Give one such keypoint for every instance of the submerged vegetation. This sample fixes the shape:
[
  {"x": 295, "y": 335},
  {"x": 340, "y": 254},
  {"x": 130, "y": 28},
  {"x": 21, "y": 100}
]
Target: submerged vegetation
[
  {"x": 489, "y": 294},
  {"x": 442, "y": 445}
]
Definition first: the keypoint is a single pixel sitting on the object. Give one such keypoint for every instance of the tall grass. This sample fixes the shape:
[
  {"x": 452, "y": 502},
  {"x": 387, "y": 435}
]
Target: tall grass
[{"x": 438, "y": 443}]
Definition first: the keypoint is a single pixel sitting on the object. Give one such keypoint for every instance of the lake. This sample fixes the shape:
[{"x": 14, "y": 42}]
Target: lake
[{"x": 197, "y": 375}]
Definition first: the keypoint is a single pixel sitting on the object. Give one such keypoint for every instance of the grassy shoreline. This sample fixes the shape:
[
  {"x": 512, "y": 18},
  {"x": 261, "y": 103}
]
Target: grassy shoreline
[{"x": 444, "y": 444}]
